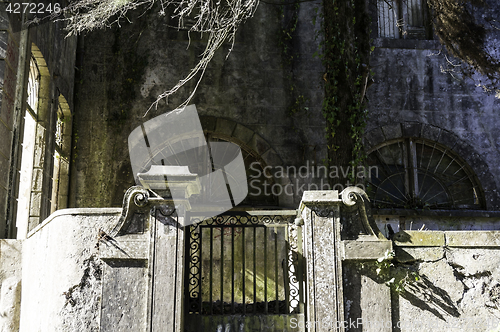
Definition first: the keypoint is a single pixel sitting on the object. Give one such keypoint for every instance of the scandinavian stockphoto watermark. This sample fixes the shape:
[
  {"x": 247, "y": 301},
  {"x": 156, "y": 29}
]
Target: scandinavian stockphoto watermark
[
  {"x": 461, "y": 324},
  {"x": 293, "y": 180},
  {"x": 170, "y": 154}
]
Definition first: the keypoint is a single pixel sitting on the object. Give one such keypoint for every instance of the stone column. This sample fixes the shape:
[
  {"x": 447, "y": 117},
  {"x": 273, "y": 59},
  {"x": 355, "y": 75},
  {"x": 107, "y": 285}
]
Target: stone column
[
  {"x": 341, "y": 245},
  {"x": 320, "y": 211}
]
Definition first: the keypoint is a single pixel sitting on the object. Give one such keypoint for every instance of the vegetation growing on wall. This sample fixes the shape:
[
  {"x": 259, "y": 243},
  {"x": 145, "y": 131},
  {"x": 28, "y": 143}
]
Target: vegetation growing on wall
[{"x": 345, "y": 54}]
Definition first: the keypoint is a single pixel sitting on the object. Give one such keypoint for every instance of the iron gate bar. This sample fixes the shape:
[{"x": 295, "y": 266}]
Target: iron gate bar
[
  {"x": 221, "y": 269},
  {"x": 232, "y": 272},
  {"x": 254, "y": 269},
  {"x": 276, "y": 269},
  {"x": 286, "y": 272},
  {"x": 243, "y": 269},
  {"x": 265, "y": 271},
  {"x": 211, "y": 270},
  {"x": 291, "y": 263}
]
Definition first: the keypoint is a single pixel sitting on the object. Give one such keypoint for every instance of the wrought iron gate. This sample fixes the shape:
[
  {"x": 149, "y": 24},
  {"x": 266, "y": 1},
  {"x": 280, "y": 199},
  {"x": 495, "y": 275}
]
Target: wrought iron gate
[{"x": 244, "y": 270}]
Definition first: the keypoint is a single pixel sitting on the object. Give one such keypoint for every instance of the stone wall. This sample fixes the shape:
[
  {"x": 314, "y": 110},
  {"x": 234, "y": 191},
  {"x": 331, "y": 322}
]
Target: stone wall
[
  {"x": 62, "y": 272},
  {"x": 457, "y": 281},
  {"x": 411, "y": 90},
  {"x": 123, "y": 70}
]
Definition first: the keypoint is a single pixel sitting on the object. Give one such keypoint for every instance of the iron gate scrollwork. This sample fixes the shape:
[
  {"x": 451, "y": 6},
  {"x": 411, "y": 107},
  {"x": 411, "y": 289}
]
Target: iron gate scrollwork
[{"x": 243, "y": 264}]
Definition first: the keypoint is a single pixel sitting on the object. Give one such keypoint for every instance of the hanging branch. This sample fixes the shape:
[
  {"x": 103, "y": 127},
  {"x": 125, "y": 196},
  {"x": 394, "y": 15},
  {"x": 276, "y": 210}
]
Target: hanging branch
[{"x": 220, "y": 19}]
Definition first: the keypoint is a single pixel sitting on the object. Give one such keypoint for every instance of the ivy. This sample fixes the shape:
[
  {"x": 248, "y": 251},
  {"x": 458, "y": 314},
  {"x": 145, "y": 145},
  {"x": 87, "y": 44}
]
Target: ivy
[{"x": 345, "y": 54}]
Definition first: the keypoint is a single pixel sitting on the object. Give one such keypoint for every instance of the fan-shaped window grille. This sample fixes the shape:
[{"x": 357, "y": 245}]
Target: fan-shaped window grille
[{"x": 417, "y": 173}]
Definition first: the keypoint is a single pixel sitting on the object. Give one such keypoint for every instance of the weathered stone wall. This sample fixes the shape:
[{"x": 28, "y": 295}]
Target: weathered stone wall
[
  {"x": 62, "y": 272},
  {"x": 10, "y": 281},
  {"x": 457, "y": 285},
  {"x": 123, "y": 70}
]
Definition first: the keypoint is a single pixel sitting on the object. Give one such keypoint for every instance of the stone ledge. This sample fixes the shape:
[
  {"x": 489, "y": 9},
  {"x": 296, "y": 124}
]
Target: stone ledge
[
  {"x": 419, "y": 239},
  {"x": 362, "y": 250},
  {"x": 472, "y": 238},
  {"x": 124, "y": 249},
  {"x": 76, "y": 211},
  {"x": 407, "y": 44},
  {"x": 319, "y": 197}
]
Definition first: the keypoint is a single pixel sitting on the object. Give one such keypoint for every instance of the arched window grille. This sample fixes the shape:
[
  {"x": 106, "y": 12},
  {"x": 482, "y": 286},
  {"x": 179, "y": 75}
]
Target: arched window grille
[{"x": 418, "y": 173}]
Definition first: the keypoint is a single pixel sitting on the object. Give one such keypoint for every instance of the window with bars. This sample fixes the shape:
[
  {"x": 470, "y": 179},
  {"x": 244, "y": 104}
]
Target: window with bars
[
  {"x": 60, "y": 166},
  {"x": 417, "y": 173},
  {"x": 403, "y": 19}
]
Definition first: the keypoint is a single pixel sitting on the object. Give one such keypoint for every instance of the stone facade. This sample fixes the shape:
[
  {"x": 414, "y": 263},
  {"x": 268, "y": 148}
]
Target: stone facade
[{"x": 77, "y": 268}]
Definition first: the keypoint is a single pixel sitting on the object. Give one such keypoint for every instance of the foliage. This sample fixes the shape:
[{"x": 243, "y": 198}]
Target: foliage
[
  {"x": 460, "y": 31},
  {"x": 345, "y": 54},
  {"x": 402, "y": 276}
]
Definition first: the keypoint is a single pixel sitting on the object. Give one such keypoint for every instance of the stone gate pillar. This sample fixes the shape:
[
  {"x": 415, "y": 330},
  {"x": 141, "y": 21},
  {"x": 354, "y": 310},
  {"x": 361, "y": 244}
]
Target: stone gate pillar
[{"x": 341, "y": 244}]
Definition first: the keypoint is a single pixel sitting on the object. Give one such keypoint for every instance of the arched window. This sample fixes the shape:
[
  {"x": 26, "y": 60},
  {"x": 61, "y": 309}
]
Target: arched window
[
  {"x": 28, "y": 149},
  {"x": 61, "y": 154},
  {"x": 419, "y": 173}
]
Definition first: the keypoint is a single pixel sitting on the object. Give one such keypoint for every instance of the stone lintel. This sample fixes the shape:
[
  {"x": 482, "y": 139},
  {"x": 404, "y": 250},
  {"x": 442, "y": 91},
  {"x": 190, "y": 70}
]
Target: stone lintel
[
  {"x": 419, "y": 239},
  {"x": 472, "y": 238},
  {"x": 365, "y": 250}
]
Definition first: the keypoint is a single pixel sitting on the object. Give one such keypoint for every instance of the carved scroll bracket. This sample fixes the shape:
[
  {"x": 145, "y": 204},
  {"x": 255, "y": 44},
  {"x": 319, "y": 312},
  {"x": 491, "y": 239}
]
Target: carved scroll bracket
[
  {"x": 357, "y": 198},
  {"x": 137, "y": 205}
]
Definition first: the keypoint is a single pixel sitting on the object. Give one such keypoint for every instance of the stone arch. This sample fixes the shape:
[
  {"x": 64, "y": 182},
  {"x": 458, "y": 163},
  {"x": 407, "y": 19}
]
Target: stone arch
[
  {"x": 248, "y": 140},
  {"x": 446, "y": 138}
]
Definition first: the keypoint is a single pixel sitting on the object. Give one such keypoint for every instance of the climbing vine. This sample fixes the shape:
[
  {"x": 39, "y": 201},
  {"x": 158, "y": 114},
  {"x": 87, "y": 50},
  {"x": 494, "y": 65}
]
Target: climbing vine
[{"x": 345, "y": 50}]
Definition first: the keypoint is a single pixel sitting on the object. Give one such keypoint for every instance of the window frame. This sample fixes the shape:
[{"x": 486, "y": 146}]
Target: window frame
[{"x": 412, "y": 185}]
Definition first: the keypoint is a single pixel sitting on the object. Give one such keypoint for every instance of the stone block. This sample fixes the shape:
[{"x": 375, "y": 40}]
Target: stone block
[
  {"x": 243, "y": 133},
  {"x": 258, "y": 144},
  {"x": 419, "y": 254},
  {"x": 4, "y": 41},
  {"x": 319, "y": 197},
  {"x": 392, "y": 131},
  {"x": 419, "y": 239},
  {"x": 35, "y": 204},
  {"x": 431, "y": 132},
  {"x": 363, "y": 250},
  {"x": 448, "y": 139},
  {"x": 6, "y": 139},
  {"x": 6, "y": 109},
  {"x": 472, "y": 239},
  {"x": 373, "y": 138},
  {"x": 225, "y": 127},
  {"x": 4, "y": 171},
  {"x": 4, "y": 17},
  {"x": 208, "y": 123},
  {"x": 10, "y": 304},
  {"x": 411, "y": 129}
]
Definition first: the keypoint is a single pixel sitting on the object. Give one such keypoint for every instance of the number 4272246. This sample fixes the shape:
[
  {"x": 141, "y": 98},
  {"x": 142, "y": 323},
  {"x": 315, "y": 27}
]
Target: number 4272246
[{"x": 33, "y": 8}]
